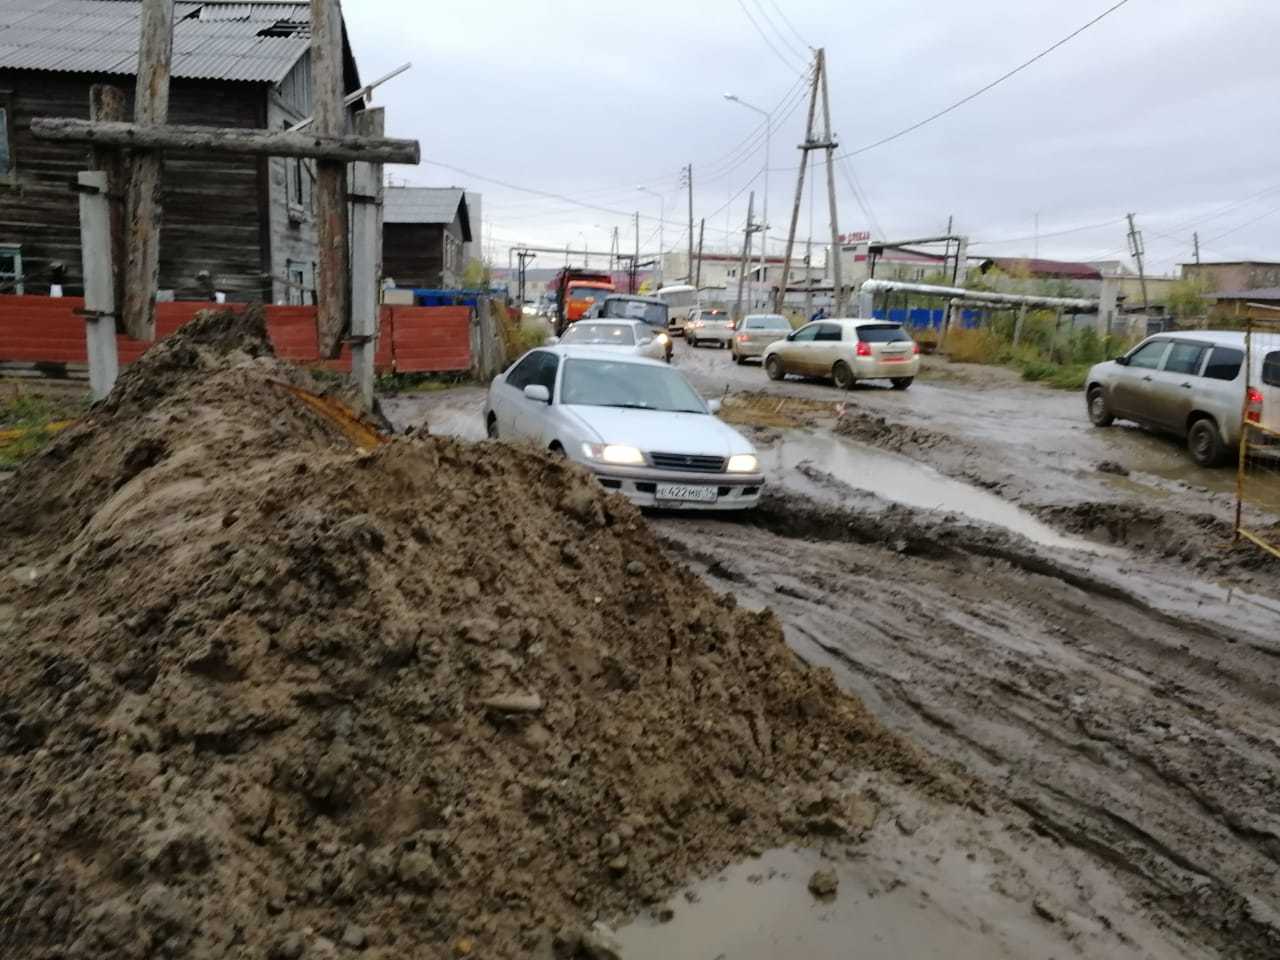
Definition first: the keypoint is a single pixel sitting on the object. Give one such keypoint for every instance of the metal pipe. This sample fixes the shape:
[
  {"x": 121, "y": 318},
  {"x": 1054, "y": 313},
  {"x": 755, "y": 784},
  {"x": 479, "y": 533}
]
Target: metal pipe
[
  {"x": 355, "y": 95},
  {"x": 878, "y": 286}
]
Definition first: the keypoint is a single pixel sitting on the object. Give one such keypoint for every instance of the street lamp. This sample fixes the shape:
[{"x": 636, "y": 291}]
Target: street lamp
[
  {"x": 768, "y": 129},
  {"x": 662, "y": 217}
]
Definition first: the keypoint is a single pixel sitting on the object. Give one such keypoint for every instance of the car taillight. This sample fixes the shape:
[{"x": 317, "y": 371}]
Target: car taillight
[
  {"x": 1253, "y": 406},
  {"x": 863, "y": 349},
  {"x": 915, "y": 347},
  {"x": 744, "y": 338}
]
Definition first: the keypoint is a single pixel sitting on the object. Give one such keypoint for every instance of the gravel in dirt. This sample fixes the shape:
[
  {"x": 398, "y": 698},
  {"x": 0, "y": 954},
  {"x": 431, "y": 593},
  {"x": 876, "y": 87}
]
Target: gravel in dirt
[{"x": 272, "y": 696}]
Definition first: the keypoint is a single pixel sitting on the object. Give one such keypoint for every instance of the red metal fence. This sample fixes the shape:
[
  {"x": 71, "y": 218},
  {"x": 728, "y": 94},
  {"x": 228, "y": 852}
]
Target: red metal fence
[{"x": 412, "y": 339}]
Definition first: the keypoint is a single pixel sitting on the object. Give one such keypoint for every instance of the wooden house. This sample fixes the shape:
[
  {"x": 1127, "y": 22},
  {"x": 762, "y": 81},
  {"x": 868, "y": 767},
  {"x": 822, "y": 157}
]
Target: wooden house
[
  {"x": 239, "y": 225},
  {"x": 424, "y": 233}
]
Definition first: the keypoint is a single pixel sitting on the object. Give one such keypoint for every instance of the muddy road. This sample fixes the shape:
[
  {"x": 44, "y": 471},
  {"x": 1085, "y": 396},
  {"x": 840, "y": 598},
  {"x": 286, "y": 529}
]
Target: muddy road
[{"x": 1080, "y": 641}]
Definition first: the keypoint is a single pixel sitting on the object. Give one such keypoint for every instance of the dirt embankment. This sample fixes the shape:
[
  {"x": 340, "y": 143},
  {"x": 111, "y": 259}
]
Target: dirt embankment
[{"x": 265, "y": 695}]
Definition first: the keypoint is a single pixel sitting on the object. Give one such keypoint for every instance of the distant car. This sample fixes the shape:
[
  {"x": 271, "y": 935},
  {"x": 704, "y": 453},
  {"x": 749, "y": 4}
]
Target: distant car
[
  {"x": 708, "y": 326},
  {"x": 637, "y": 424},
  {"x": 755, "y": 332},
  {"x": 631, "y": 336},
  {"x": 1190, "y": 384},
  {"x": 846, "y": 351},
  {"x": 625, "y": 306},
  {"x": 680, "y": 300}
]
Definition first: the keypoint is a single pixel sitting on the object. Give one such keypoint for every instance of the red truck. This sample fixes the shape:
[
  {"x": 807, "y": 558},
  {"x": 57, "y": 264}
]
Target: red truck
[{"x": 575, "y": 291}]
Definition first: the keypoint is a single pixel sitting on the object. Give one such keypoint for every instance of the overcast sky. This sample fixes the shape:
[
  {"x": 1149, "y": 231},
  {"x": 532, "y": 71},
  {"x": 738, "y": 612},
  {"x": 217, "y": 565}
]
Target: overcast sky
[{"x": 1166, "y": 108}]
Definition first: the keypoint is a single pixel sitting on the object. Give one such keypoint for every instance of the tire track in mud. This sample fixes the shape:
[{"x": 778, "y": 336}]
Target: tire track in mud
[{"x": 1147, "y": 739}]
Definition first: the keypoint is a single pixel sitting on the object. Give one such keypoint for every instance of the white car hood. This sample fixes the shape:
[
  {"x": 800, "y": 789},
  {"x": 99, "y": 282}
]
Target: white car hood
[{"x": 650, "y": 430}]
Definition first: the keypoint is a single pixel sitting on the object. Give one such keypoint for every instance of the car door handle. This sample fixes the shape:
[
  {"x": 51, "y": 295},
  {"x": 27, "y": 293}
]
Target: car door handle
[
  {"x": 1147, "y": 379},
  {"x": 1185, "y": 386}
]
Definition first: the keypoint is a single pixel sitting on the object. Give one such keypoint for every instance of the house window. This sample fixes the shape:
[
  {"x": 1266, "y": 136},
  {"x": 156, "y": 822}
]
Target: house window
[
  {"x": 297, "y": 176},
  {"x": 6, "y": 135},
  {"x": 11, "y": 270},
  {"x": 301, "y": 290}
]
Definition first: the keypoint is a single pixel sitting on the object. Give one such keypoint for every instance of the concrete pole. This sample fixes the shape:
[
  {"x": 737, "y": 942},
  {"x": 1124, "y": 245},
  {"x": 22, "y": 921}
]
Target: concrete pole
[
  {"x": 1018, "y": 324},
  {"x": 746, "y": 252},
  {"x": 837, "y": 279},
  {"x": 1107, "y": 300},
  {"x": 99, "y": 282},
  {"x": 366, "y": 258}
]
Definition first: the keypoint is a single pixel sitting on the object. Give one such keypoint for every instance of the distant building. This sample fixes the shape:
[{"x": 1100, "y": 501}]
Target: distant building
[
  {"x": 1038, "y": 269},
  {"x": 424, "y": 232},
  {"x": 719, "y": 274},
  {"x": 862, "y": 260},
  {"x": 473, "y": 249},
  {"x": 1235, "y": 275},
  {"x": 1260, "y": 304}
]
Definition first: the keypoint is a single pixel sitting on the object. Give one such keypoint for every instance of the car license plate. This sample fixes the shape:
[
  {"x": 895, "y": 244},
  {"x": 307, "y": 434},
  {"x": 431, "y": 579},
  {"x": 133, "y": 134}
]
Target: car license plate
[{"x": 686, "y": 493}]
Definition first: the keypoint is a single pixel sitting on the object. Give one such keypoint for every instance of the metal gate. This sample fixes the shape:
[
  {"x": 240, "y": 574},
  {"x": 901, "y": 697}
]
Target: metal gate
[{"x": 1258, "y": 480}]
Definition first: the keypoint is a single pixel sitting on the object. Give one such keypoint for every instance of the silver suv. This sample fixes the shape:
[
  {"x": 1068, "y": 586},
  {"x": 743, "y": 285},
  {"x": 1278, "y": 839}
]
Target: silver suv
[{"x": 1190, "y": 384}]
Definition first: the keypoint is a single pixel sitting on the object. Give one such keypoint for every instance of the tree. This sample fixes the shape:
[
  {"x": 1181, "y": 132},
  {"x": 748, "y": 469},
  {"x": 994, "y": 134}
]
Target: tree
[
  {"x": 476, "y": 275},
  {"x": 1189, "y": 297}
]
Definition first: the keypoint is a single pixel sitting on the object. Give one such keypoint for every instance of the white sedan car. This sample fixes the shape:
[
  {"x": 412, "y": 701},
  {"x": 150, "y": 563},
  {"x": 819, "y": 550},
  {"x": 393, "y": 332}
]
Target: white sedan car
[
  {"x": 635, "y": 423},
  {"x": 629, "y": 336}
]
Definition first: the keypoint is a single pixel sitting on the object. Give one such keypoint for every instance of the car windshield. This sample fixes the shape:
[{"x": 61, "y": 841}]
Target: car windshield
[
  {"x": 654, "y": 314},
  {"x": 615, "y": 334},
  {"x": 639, "y": 386},
  {"x": 881, "y": 333},
  {"x": 766, "y": 323},
  {"x": 715, "y": 318},
  {"x": 587, "y": 293}
]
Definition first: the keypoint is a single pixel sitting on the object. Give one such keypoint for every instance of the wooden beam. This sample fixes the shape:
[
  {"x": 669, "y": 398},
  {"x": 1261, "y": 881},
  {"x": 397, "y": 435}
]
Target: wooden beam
[
  {"x": 109, "y": 104},
  {"x": 366, "y": 258},
  {"x": 233, "y": 141},
  {"x": 330, "y": 196},
  {"x": 143, "y": 210}
]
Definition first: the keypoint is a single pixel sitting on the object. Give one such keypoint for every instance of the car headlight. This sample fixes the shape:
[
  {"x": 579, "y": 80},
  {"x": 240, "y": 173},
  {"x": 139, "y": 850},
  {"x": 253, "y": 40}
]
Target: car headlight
[
  {"x": 743, "y": 463},
  {"x": 663, "y": 339},
  {"x": 616, "y": 453}
]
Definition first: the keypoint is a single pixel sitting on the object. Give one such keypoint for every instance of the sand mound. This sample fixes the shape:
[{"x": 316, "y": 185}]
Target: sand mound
[{"x": 265, "y": 695}]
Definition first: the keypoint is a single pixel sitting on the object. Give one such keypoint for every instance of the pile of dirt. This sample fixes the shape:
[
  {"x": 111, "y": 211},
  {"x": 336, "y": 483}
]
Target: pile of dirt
[
  {"x": 263, "y": 694},
  {"x": 896, "y": 437}
]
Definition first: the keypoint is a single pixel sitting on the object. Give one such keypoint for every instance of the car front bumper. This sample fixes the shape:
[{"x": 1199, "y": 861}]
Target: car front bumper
[
  {"x": 752, "y": 348},
  {"x": 734, "y": 491}
]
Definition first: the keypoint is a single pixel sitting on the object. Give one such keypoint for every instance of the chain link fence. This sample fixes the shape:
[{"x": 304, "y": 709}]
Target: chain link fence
[{"x": 1258, "y": 481}]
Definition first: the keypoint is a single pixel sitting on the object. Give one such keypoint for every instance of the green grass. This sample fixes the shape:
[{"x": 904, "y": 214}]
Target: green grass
[
  {"x": 1046, "y": 355},
  {"x": 32, "y": 414},
  {"x": 419, "y": 382}
]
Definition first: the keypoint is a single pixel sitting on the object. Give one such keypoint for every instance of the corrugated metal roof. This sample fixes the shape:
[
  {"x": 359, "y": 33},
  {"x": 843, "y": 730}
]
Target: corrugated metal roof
[
  {"x": 212, "y": 40},
  {"x": 1269, "y": 294},
  {"x": 424, "y": 205}
]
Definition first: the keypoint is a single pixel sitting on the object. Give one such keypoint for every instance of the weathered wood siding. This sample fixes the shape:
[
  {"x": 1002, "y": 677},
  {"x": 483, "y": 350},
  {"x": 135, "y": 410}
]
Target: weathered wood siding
[
  {"x": 291, "y": 220},
  {"x": 413, "y": 254},
  {"x": 213, "y": 209}
]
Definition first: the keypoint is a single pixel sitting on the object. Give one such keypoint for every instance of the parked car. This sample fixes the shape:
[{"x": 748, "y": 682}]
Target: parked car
[
  {"x": 846, "y": 351},
  {"x": 707, "y": 325},
  {"x": 1192, "y": 385},
  {"x": 635, "y": 423},
  {"x": 755, "y": 332},
  {"x": 630, "y": 336}
]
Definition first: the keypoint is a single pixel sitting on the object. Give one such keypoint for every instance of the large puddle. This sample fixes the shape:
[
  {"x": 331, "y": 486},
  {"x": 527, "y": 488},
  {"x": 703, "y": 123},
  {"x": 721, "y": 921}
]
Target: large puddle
[{"x": 902, "y": 480}]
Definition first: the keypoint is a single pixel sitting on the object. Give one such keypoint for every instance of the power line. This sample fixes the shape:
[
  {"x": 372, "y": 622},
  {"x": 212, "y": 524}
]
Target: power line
[
  {"x": 864, "y": 202},
  {"x": 1248, "y": 223},
  {"x": 790, "y": 26},
  {"x": 765, "y": 37},
  {"x": 1046, "y": 236},
  {"x": 990, "y": 86},
  {"x": 782, "y": 37}
]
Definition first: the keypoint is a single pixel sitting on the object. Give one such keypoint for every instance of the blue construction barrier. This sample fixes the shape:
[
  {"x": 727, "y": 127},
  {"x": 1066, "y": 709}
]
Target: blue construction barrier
[
  {"x": 923, "y": 319},
  {"x": 453, "y": 298}
]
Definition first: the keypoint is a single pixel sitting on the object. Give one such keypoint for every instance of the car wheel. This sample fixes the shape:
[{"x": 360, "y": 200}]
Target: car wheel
[
  {"x": 1099, "y": 413},
  {"x": 901, "y": 383},
  {"x": 774, "y": 368},
  {"x": 491, "y": 427},
  {"x": 1205, "y": 443},
  {"x": 556, "y": 450},
  {"x": 739, "y": 359},
  {"x": 842, "y": 375},
  {"x": 690, "y": 341}
]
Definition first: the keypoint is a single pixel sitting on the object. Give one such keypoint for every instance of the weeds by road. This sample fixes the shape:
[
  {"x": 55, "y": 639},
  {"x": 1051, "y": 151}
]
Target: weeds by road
[
  {"x": 28, "y": 421},
  {"x": 1045, "y": 355}
]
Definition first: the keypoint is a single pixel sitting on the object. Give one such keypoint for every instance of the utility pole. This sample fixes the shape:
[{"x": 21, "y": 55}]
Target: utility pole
[
  {"x": 142, "y": 208},
  {"x": 689, "y": 263},
  {"x": 697, "y": 277},
  {"x": 524, "y": 256},
  {"x": 946, "y": 251},
  {"x": 635, "y": 260},
  {"x": 331, "y": 176},
  {"x": 746, "y": 253},
  {"x": 1136, "y": 248},
  {"x": 811, "y": 143},
  {"x": 1195, "y": 240}
]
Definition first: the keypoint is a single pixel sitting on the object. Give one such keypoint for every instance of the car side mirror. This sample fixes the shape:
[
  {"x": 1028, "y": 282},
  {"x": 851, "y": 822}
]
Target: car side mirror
[
  {"x": 714, "y": 405},
  {"x": 537, "y": 393},
  {"x": 791, "y": 336},
  {"x": 552, "y": 340},
  {"x": 1122, "y": 361}
]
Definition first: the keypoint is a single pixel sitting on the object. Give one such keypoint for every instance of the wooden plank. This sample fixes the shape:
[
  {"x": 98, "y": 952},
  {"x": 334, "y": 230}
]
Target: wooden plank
[
  {"x": 330, "y": 196},
  {"x": 109, "y": 104},
  {"x": 143, "y": 209},
  {"x": 227, "y": 141}
]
